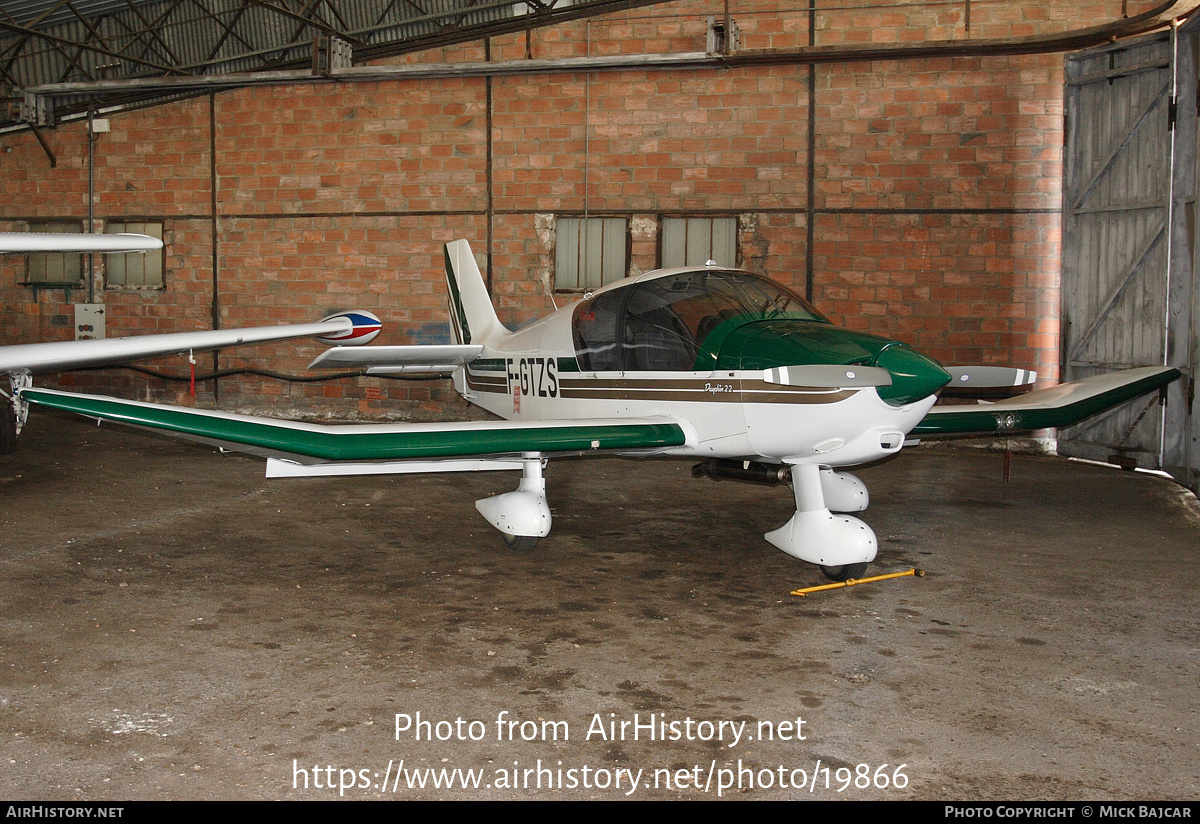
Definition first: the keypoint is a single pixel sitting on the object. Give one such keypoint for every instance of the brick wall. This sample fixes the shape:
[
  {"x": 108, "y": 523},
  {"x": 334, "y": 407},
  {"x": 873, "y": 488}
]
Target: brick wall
[{"x": 936, "y": 189}]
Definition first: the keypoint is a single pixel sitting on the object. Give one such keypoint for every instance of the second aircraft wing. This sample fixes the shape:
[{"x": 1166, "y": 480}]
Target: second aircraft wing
[{"x": 1058, "y": 406}]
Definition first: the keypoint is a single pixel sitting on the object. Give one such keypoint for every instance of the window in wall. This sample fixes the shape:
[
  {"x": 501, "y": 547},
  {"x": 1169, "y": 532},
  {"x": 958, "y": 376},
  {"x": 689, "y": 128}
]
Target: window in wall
[
  {"x": 693, "y": 241},
  {"x": 55, "y": 268},
  {"x": 590, "y": 252},
  {"x": 135, "y": 270}
]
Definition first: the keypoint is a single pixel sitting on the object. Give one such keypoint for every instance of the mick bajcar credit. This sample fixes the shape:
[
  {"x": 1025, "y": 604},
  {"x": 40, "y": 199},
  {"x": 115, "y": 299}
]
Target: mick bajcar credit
[
  {"x": 1076, "y": 811},
  {"x": 722, "y": 776}
]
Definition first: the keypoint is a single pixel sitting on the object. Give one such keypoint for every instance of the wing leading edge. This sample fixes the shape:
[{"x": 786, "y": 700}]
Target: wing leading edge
[
  {"x": 372, "y": 442},
  {"x": 1058, "y": 406},
  {"x": 69, "y": 354}
]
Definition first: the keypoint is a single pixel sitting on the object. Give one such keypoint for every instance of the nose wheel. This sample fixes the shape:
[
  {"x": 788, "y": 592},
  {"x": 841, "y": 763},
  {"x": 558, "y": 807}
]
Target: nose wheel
[
  {"x": 840, "y": 544},
  {"x": 844, "y": 572},
  {"x": 520, "y": 543}
]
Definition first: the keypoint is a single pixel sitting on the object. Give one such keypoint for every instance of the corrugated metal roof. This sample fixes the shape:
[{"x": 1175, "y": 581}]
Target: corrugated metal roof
[
  {"x": 90, "y": 41},
  {"x": 50, "y": 12},
  {"x": 134, "y": 38}
]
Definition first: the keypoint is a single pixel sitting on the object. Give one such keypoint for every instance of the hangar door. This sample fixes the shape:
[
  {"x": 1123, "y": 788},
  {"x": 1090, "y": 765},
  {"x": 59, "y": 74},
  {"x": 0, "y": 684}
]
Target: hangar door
[{"x": 1129, "y": 288}]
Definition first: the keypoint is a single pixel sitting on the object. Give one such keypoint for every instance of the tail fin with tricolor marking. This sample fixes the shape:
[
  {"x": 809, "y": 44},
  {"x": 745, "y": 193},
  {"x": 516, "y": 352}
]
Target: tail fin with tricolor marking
[{"x": 472, "y": 317}]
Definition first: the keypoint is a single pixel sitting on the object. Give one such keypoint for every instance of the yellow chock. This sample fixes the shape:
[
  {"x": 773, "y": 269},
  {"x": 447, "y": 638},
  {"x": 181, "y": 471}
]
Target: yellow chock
[{"x": 850, "y": 582}]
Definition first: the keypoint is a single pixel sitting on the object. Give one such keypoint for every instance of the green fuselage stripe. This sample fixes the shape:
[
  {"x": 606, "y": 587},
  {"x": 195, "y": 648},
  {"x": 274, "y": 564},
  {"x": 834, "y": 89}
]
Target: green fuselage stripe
[{"x": 344, "y": 445}]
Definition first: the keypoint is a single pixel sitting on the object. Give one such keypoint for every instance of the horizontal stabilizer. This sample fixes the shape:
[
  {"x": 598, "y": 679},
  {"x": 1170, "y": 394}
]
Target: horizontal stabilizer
[
  {"x": 384, "y": 359},
  {"x": 21, "y": 242},
  {"x": 70, "y": 354},
  {"x": 1058, "y": 406},
  {"x": 372, "y": 442}
]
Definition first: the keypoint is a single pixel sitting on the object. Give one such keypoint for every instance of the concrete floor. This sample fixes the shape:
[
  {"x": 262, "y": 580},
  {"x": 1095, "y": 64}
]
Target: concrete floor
[{"x": 173, "y": 625}]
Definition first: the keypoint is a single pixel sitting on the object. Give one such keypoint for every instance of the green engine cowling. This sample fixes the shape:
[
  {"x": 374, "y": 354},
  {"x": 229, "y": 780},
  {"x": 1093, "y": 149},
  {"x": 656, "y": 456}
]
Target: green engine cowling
[{"x": 765, "y": 344}]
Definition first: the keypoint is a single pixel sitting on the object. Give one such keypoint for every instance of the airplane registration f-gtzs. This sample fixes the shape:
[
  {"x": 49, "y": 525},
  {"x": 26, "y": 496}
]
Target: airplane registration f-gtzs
[{"x": 703, "y": 362}]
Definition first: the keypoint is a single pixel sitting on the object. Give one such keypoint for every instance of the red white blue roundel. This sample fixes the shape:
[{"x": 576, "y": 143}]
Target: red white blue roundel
[{"x": 365, "y": 327}]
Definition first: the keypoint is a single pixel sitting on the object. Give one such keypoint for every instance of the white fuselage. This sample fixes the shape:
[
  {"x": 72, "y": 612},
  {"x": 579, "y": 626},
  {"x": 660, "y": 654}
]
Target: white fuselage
[{"x": 726, "y": 414}]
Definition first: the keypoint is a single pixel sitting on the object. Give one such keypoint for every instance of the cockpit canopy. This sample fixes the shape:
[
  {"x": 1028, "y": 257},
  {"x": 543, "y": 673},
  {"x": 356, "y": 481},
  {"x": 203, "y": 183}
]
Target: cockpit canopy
[{"x": 676, "y": 322}]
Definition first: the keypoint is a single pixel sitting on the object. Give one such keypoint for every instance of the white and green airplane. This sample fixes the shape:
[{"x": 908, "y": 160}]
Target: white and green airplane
[{"x": 700, "y": 362}]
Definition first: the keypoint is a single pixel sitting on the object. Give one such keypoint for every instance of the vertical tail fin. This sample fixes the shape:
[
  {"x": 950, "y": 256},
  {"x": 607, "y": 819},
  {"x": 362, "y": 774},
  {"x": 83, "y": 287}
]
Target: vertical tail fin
[{"x": 472, "y": 316}]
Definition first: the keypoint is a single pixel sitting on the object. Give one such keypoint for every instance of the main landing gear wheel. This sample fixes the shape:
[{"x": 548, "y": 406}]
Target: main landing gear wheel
[
  {"x": 524, "y": 543},
  {"x": 844, "y": 572}
]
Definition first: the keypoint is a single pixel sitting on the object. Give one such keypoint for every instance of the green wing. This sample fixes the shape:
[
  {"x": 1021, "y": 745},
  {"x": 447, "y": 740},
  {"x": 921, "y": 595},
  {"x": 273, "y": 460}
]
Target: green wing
[
  {"x": 1058, "y": 406},
  {"x": 371, "y": 442}
]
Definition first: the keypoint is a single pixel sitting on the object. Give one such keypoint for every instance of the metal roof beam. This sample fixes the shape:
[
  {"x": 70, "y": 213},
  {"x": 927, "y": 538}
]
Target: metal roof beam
[
  {"x": 820, "y": 54},
  {"x": 229, "y": 32},
  {"x": 151, "y": 29},
  {"x": 57, "y": 41},
  {"x": 306, "y": 18}
]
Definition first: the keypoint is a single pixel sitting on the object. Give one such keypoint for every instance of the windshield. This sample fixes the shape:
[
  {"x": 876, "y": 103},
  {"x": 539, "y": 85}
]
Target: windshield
[{"x": 661, "y": 324}]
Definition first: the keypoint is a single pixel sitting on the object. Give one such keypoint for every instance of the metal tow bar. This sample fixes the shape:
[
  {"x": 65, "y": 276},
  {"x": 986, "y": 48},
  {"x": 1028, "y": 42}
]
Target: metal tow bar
[{"x": 850, "y": 582}]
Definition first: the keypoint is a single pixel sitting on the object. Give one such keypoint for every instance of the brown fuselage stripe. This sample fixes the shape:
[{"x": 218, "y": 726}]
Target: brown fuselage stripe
[
  {"x": 480, "y": 383},
  {"x": 703, "y": 396},
  {"x": 696, "y": 390}
]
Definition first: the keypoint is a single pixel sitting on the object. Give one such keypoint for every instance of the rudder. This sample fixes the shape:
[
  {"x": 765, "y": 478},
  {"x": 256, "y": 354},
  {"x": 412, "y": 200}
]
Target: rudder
[{"x": 472, "y": 315}]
